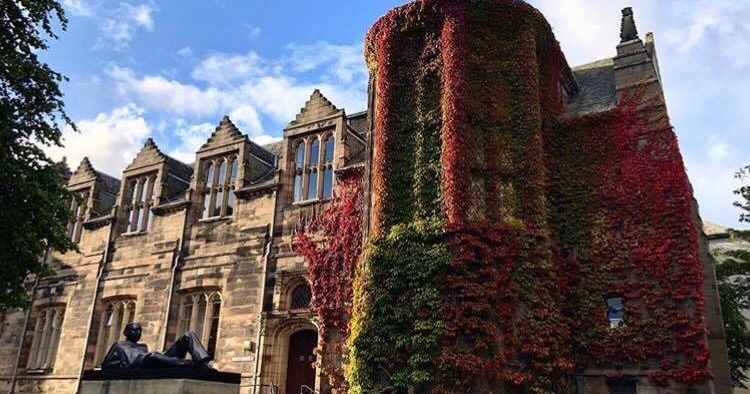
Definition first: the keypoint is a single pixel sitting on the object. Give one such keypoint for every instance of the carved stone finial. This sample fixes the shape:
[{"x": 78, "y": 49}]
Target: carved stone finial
[{"x": 628, "y": 30}]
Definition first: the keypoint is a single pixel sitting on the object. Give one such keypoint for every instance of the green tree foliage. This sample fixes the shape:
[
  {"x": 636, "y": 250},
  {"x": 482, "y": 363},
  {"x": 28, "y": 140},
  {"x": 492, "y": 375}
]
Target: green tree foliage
[
  {"x": 733, "y": 274},
  {"x": 33, "y": 200}
]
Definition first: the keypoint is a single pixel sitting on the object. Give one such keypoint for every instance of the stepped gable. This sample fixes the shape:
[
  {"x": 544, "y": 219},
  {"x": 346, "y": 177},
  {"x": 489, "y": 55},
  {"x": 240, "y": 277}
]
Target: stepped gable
[
  {"x": 151, "y": 154},
  {"x": 86, "y": 172},
  {"x": 316, "y": 108},
  {"x": 227, "y": 133}
]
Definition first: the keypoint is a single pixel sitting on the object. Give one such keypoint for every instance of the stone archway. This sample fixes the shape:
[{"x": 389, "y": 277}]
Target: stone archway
[
  {"x": 279, "y": 346},
  {"x": 300, "y": 371}
]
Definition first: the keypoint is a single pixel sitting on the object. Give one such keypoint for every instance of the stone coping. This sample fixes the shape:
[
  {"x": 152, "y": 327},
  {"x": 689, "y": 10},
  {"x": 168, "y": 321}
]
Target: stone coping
[{"x": 190, "y": 373}]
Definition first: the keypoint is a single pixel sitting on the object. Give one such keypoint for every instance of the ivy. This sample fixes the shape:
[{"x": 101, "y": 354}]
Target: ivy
[
  {"x": 500, "y": 227},
  {"x": 331, "y": 245}
]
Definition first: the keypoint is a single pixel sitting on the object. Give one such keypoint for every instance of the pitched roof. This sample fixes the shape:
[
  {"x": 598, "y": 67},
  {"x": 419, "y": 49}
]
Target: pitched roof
[
  {"x": 317, "y": 107},
  {"x": 86, "y": 172},
  {"x": 596, "y": 82}
]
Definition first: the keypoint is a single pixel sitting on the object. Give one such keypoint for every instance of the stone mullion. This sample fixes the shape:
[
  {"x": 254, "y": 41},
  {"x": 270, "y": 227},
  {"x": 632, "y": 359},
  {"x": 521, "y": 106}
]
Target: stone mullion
[
  {"x": 134, "y": 209},
  {"x": 128, "y": 314},
  {"x": 180, "y": 318},
  {"x": 213, "y": 189},
  {"x": 56, "y": 331},
  {"x": 320, "y": 167},
  {"x": 146, "y": 203},
  {"x": 41, "y": 358},
  {"x": 305, "y": 170},
  {"x": 207, "y": 321},
  {"x": 194, "y": 314},
  {"x": 116, "y": 315},
  {"x": 35, "y": 343},
  {"x": 223, "y": 184}
]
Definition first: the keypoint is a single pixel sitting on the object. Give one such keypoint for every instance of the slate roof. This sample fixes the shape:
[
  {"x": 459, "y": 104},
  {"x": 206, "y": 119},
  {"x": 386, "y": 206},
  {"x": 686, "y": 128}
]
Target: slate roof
[
  {"x": 358, "y": 122},
  {"x": 596, "y": 82}
]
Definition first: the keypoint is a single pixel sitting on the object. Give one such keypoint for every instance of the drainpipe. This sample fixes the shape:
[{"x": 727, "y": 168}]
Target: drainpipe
[
  {"x": 269, "y": 245},
  {"x": 99, "y": 276},
  {"x": 26, "y": 320},
  {"x": 175, "y": 263}
]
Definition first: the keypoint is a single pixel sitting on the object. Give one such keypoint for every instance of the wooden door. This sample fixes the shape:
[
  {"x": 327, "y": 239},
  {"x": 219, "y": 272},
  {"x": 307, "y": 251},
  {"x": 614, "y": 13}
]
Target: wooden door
[{"x": 300, "y": 370}]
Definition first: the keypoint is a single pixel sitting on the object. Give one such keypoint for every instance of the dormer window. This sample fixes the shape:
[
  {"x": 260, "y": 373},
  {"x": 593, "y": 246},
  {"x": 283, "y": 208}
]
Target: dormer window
[
  {"x": 138, "y": 203},
  {"x": 219, "y": 183},
  {"x": 313, "y": 169},
  {"x": 78, "y": 209}
]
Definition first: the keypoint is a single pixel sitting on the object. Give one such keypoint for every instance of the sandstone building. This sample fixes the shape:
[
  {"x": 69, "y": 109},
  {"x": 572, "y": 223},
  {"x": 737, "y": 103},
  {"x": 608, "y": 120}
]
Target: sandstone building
[{"x": 207, "y": 247}]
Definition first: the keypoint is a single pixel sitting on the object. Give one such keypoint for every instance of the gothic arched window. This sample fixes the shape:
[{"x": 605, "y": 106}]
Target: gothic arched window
[
  {"x": 138, "y": 203},
  {"x": 299, "y": 164},
  {"x": 200, "y": 313},
  {"x": 46, "y": 337},
  {"x": 301, "y": 297},
  {"x": 116, "y": 315},
  {"x": 78, "y": 209},
  {"x": 328, "y": 168},
  {"x": 313, "y": 169},
  {"x": 220, "y": 182}
]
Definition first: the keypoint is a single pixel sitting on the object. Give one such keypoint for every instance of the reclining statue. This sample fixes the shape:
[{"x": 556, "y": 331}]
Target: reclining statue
[{"x": 131, "y": 354}]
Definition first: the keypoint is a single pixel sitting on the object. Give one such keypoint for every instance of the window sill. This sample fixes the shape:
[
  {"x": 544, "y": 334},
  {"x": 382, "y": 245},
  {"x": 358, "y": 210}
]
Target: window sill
[
  {"x": 37, "y": 371},
  {"x": 306, "y": 202},
  {"x": 311, "y": 202},
  {"x": 134, "y": 233},
  {"x": 216, "y": 219}
]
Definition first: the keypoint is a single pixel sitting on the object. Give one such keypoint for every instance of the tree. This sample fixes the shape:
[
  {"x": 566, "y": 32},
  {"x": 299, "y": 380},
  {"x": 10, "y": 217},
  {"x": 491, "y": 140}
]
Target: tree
[
  {"x": 733, "y": 274},
  {"x": 33, "y": 200}
]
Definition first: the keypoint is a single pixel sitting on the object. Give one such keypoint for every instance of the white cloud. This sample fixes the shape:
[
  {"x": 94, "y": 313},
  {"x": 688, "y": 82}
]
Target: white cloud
[
  {"x": 78, "y": 7},
  {"x": 121, "y": 25},
  {"x": 185, "y": 52},
  {"x": 344, "y": 62},
  {"x": 246, "y": 118},
  {"x": 704, "y": 56},
  {"x": 161, "y": 94},
  {"x": 250, "y": 86},
  {"x": 718, "y": 150},
  {"x": 222, "y": 68},
  {"x": 110, "y": 140},
  {"x": 191, "y": 137}
]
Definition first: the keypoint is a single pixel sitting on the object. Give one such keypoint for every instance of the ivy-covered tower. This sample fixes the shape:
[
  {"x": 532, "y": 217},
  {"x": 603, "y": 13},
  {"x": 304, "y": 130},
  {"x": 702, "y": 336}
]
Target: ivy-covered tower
[{"x": 531, "y": 226}]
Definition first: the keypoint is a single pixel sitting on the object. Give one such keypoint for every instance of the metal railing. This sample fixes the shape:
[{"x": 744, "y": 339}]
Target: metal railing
[{"x": 307, "y": 390}]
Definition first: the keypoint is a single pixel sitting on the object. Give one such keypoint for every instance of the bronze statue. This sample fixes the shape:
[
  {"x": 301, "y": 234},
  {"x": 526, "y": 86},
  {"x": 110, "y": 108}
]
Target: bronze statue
[{"x": 131, "y": 354}]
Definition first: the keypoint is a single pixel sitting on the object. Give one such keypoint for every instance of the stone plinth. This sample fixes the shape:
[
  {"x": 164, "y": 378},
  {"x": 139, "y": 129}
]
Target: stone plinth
[{"x": 160, "y": 381}]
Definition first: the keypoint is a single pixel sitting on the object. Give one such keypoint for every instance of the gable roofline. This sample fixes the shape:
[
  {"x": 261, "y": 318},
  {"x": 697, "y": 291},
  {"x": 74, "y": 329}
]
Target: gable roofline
[{"x": 316, "y": 108}]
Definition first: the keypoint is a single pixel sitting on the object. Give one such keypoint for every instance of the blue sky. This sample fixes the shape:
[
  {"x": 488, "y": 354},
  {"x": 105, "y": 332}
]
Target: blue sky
[{"x": 171, "y": 69}]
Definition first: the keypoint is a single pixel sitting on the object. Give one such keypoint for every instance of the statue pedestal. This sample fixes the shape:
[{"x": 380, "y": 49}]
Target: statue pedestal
[{"x": 159, "y": 381}]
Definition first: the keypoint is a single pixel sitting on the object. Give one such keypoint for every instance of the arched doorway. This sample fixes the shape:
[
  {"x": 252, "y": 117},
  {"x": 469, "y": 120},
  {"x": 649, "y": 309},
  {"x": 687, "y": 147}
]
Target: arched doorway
[{"x": 300, "y": 370}]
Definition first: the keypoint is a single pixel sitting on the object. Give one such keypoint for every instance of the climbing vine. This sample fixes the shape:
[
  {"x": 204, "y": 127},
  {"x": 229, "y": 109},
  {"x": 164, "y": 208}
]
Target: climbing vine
[
  {"x": 500, "y": 225},
  {"x": 331, "y": 245}
]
